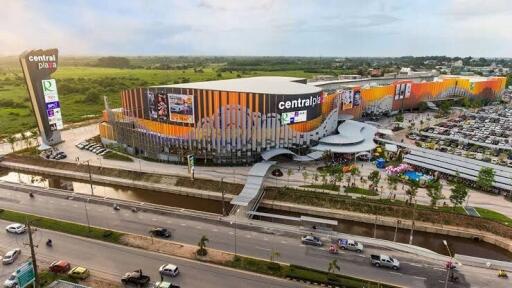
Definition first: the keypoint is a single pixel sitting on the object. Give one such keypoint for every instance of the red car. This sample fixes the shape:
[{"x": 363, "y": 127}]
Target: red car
[{"x": 60, "y": 266}]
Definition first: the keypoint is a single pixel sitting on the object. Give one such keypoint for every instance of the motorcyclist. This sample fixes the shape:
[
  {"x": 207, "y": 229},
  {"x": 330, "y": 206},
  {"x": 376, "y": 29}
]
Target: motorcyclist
[{"x": 49, "y": 242}]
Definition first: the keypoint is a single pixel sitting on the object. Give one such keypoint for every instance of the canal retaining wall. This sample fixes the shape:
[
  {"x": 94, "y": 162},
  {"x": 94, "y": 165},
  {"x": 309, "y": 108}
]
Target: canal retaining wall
[
  {"x": 117, "y": 181},
  {"x": 390, "y": 222}
]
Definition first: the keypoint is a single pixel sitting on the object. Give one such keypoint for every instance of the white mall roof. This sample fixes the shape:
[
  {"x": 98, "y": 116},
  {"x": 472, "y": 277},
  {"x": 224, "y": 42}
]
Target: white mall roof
[{"x": 264, "y": 84}]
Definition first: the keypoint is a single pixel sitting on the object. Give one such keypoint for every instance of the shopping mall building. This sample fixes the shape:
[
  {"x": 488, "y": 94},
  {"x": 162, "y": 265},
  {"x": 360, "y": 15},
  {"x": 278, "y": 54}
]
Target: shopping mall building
[{"x": 235, "y": 121}]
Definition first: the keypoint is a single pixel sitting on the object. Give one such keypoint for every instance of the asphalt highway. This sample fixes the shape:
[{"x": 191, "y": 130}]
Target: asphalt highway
[
  {"x": 414, "y": 272},
  {"x": 111, "y": 261}
]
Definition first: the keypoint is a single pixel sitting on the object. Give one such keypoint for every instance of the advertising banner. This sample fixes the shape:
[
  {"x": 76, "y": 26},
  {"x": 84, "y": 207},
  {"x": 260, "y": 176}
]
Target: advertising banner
[
  {"x": 308, "y": 106},
  {"x": 408, "y": 88},
  {"x": 347, "y": 98},
  {"x": 294, "y": 117},
  {"x": 181, "y": 108},
  {"x": 162, "y": 106},
  {"x": 401, "y": 90},
  {"x": 153, "y": 113},
  {"x": 357, "y": 97}
]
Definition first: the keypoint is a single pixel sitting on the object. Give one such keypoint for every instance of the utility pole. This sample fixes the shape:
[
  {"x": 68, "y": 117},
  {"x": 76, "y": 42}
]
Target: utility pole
[
  {"x": 412, "y": 225},
  {"x": 90, "y": 176},
  {"x": 375, "y": 227},
  {"x": 33, "y": 254},
  {"x": 222, "y": 190},
  {"x": 396, "y": 229}
]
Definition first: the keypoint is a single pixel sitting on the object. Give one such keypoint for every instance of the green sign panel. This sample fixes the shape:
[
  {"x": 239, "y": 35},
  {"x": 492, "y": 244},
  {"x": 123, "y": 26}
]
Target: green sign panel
[{"x": 25, "y": 275}]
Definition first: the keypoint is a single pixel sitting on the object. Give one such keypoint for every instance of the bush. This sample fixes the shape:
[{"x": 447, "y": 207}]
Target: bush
[{"x": 202, "y": 252}]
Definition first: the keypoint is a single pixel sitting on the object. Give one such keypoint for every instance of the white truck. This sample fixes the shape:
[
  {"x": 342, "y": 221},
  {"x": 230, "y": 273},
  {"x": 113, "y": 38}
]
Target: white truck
[
  {"x": 349, "y": 244},
  {"x": 384, "y": 261}
]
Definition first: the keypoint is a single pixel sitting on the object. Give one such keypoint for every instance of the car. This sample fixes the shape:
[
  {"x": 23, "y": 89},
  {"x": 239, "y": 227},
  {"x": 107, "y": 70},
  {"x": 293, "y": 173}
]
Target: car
[
  {"x": 100, "y": 151},
  {"x": 384, "y": 261},
  {"x": 11, "y": 281},
  {"x": 11, "y": 256},
  {"x": 160, "y": 232},
  {"x": 16, "y": 228},
  {"x": 60, "y": 266},
  {"x": 104, "y": 152},
  {"x": 349, "y": 244},
  {"x": 135, "y": 277},
  {"x": 165, "y": 284},
  {"x": 169, "y": 270},
  {"x": 79, "y": 272},
  {"x": 311, "y": 240}
]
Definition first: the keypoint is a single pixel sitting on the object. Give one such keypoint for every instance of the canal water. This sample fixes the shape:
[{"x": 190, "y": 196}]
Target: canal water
[
  {"x": 116, "y": 192},
  {"x": 430, "y": 241}
]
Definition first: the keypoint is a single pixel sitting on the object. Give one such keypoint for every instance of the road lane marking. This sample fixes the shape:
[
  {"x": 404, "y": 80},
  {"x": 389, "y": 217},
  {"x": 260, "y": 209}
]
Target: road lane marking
[
  {"x": 199, "y": 227},
  {"x": 262, "y": 248},
  {"x": 283, "y": 242},
  {"x": 231, "y": 233},
  {"x": 154, "y": 219},
  {"x": 396, "y": 273},
  {"x": 418, "y": 277},
  {"x": 183, "y": 224},
  {"x": 215, "y": 230},
  {"x": 414, "y": 264},
  {"x": 265, "y": 239},
  {"x": 440, "y": 269},
  {"x": 248, "y": 236}
]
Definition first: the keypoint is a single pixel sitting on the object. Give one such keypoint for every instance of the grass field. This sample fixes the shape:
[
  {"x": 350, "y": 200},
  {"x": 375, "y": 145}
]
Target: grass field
[{"x": 16, "y": 115}]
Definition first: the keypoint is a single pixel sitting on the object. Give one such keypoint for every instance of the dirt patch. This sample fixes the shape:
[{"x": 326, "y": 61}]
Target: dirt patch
[
  {"x": 97, "y": 282},
  {"x": 175, "y": 249}
]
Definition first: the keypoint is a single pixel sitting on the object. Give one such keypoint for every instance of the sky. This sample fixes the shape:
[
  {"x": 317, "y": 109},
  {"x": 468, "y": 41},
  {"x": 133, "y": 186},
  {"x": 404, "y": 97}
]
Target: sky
[{"x": 344, "y": 28}]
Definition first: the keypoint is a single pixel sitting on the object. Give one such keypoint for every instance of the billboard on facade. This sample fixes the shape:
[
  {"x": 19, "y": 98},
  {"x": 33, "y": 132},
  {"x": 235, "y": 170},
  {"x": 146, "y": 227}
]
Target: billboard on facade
[
  {"x": 408, "y": 88},
  {"x": 347, "y": 99},
  {"x": 162, "y": 106},
  {"x": 308, "y": 106},
  {"x": 402, "y": 90},
  {"x": 294, "y": 117},
  {"x": 181, "y": 108},
  {"x": 357, "y": 97},
  {"x": 153, "y": 113}
]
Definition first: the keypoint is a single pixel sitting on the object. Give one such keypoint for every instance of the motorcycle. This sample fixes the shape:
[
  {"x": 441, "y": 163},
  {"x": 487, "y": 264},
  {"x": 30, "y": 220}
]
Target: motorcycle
[
  {"x": 502, "y": 274},
  {"x": 116, "y": 207},
  {"x": 49, "y": 243},
  {"x": 31, "y": 195},
  {"x": 333, "y": 249}
]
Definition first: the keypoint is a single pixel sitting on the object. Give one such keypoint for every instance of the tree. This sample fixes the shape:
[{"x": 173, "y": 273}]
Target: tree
[
  {"x": 113, "y": 62},
  {"x": 289, "y": 173},
  {"x": 333, "y": 266},
  {"x": 485, "y": 178},
  {"x": 323, "y": 175},
  {"x": 202, "y": 246},
  {"x": 353, "y": 172},
  {"x": 315, "y": 177},
  {"x": 412, "y": 190},
  {"x": 459, "y": 193},
  {"x": 392, "y": 182},
  {"x": 11, "y": 140},
  {"x": 274, "y": 255},
  {"x": 434, "y": 191},
  {"x": 399, "y": 118},
  {"x": 374, "y": 177},
  {"x": 305, "y": 175}
]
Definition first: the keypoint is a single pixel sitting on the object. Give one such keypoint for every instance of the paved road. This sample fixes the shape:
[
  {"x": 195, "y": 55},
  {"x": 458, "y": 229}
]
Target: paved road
[
  {"x": 112, "y": 261},
  {"x": 414, "y": 273}
]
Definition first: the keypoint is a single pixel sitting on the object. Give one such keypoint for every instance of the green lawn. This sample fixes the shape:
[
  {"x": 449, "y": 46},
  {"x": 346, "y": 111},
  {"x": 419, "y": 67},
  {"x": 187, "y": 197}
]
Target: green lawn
[
  {"x": 62, "y": 226},
  {"x": 332, "y": 187},
  {"x": 74, "y": 109},
  {"x": 493, "y": 215}
]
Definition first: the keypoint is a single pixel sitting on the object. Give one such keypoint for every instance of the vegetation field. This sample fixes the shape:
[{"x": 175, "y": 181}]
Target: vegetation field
[{"x": 81, "y": 90}]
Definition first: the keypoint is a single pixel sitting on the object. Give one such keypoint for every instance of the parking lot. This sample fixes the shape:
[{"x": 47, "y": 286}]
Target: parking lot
[{"x": 485, "y": 135}]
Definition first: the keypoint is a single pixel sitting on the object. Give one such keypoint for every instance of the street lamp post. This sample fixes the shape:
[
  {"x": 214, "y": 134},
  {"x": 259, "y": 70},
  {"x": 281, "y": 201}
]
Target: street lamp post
[
  {"x": 448, "y": 266},
  {"x": 412, "y": 225}
]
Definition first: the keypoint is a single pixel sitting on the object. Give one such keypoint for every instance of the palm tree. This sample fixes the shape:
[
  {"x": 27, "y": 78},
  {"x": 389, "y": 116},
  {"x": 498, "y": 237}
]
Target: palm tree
[
  {"x": 333, "y": 266},
  {"x": 202, "y": 246},
  {"x": 353, "y": 172},
  {"x": 289, "y": 172},
  {"x": 274, "y": 255},
  {"x": 11, "y": 140},
  {"x": 305, "y": 175}
]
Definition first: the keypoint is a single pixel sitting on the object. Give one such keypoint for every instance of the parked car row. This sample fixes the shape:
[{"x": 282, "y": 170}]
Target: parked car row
[
  {"x": 53, "y": 154},
  {"x": 95, "y": 148}
]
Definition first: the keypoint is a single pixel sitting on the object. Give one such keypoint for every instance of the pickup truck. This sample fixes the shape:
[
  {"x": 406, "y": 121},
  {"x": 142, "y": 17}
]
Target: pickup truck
[
  {"x": 384, "y": 261},
  {"x": 136, "y": 278},
  {"x": 348, "y": 244}
]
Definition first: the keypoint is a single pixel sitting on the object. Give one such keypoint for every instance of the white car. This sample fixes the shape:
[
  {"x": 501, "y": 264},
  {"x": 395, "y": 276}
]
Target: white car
[
  {"x": 16, "y": 228},
  {"x": 169, "y": 270},
  {"x": 11, "y": 256},
  {"x": 11, "y": 281}
]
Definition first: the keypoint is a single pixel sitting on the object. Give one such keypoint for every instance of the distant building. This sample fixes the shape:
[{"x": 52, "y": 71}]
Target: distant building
[
  {"x": 323, "y": 78},
  {"x": 349, "y": 76},
  {"x": 458, "y": 63},
  {"x": 375, "y": 72}
]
